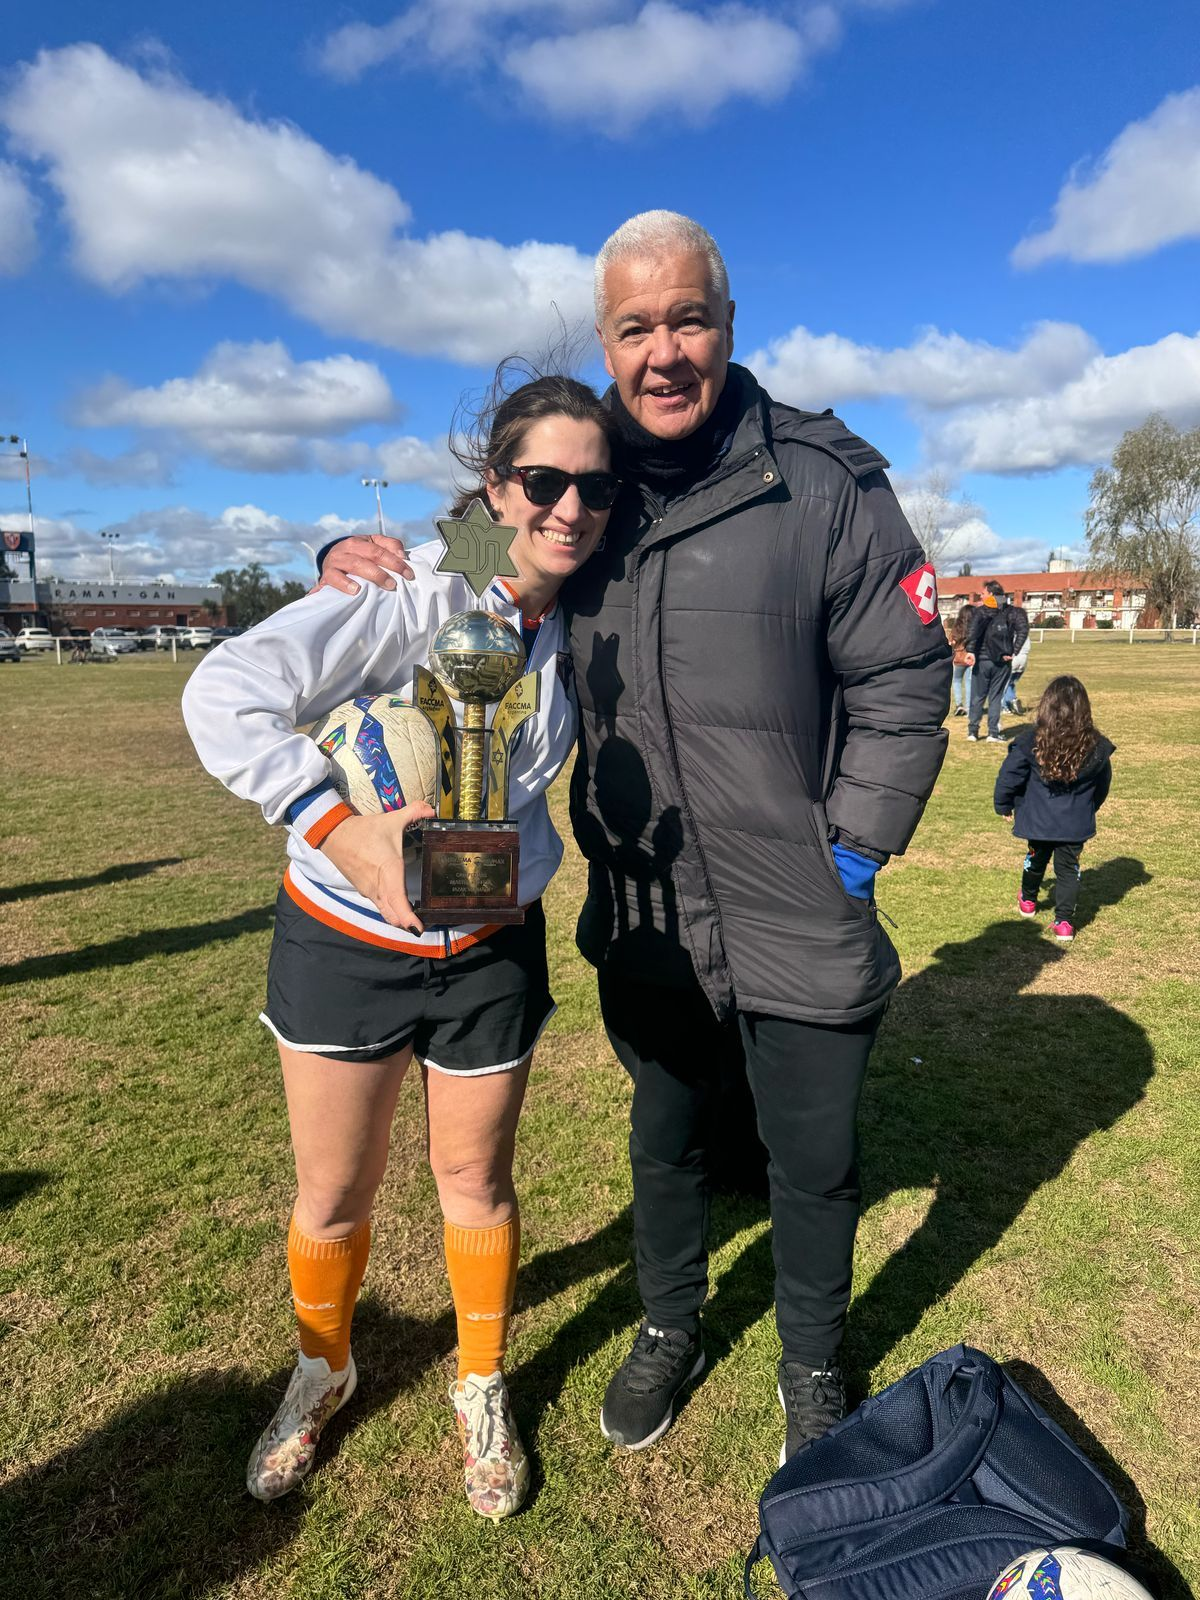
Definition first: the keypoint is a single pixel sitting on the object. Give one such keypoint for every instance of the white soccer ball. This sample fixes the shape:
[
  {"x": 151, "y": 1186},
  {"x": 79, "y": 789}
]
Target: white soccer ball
[
  {"x": 384, "y": 753},
  {"x": 1066, "y": 1573}
]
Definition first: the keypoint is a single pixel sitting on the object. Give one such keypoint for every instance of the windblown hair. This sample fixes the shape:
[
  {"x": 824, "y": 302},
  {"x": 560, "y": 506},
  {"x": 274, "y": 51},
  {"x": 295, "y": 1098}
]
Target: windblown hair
[
  {"x": 651, "y": 232},
  {"x": 1064, "y": 734},
  {"x": 961, "y": 627},
  {"x": 489, "y": 432}
]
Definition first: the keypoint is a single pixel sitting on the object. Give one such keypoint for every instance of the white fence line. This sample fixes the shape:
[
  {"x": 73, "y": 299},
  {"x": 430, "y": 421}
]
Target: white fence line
[{"x": 1123, "y": 635}]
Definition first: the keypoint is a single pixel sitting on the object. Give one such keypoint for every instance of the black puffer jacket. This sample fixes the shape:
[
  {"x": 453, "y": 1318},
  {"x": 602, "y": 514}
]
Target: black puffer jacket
[
  {"x": 758, "y": 663},
  {"x": 995, "y": 633},
  {"x": 1063, "y": 812}
]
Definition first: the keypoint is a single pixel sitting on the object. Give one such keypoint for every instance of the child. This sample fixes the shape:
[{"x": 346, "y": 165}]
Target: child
[{"x": 1055, "y": 777}]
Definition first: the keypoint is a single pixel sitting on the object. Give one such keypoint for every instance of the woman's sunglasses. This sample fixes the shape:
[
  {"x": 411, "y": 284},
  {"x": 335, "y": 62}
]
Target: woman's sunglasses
[{"x": 545, "y": 486}]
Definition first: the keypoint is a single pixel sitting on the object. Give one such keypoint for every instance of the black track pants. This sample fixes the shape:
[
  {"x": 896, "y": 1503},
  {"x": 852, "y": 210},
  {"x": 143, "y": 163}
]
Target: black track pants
[
  {"x": 806, "y": 1080},
  {"x": 1066, "y": 874}
]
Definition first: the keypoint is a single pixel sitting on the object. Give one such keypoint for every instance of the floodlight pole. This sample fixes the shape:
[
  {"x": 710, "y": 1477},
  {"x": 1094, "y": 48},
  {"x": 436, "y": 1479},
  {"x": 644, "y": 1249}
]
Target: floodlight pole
[
  {"x": 377, "y": 484},
  {"x": 109, "y": 538}
]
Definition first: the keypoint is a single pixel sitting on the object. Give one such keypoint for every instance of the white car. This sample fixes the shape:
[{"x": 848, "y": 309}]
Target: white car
[
  {"x": 161, "y": 635},
  {"x": 198, "y": 637},
  {"x": 35, "y": 639},
  {"x": 113, "y": 642}
]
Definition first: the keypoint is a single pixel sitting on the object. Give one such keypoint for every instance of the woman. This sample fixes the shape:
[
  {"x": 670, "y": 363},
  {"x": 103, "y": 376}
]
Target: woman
[
  {"x": 356, "y": 984},
  {"x": 957, "y": 634}
]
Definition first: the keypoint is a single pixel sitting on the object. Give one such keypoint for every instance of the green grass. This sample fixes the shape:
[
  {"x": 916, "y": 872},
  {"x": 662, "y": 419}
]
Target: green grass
[{"x": 1029, "y": 1133}]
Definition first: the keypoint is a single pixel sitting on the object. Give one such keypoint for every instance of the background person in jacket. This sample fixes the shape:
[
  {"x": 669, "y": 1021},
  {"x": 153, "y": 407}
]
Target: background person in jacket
[
  {"x": 956, "y": 635},
  {"x": 1020, "y": 661},
  {"x": 997, "y": 632},
  {"x": 762, "y": 686},
  {"x": 1054, "y": 779}
]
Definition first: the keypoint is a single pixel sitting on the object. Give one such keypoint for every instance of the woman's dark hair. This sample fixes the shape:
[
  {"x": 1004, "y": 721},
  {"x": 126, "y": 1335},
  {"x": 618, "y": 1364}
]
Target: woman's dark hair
[
  {"x": 489, "y": 433},
  {"x": 961, "y": 626},
  {"x": 1064, "y": 734}
]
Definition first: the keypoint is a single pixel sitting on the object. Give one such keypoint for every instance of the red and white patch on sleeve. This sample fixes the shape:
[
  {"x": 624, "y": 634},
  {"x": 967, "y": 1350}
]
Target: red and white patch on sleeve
[{"x": 921, "y": 588}]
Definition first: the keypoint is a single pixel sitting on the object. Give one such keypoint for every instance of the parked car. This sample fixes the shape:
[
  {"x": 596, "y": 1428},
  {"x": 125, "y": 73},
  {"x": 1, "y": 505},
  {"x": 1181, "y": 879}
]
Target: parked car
[
  {"x": 9, "y": 649},
  {"x": 113, "y": 642},
  {"x": 35, "y": 639},
  {"x": 162, "y": 634},
  {"x": 226, "y": 633},
  {"x": 199, "y": 637}
]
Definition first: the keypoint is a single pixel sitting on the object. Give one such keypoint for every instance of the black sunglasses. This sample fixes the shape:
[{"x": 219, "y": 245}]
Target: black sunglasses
[{"x": 545, "y": 486}]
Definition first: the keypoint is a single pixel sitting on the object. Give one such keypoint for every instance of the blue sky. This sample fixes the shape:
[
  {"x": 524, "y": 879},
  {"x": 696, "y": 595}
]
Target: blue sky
[{"x": 252, "y": 254}]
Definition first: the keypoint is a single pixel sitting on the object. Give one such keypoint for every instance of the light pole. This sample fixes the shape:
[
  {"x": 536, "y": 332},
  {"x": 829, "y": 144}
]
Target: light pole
[
  {"x": 110, "y": 539},
  {"x": 23, "y": 453},
  {"x": 377, "y": 484}
]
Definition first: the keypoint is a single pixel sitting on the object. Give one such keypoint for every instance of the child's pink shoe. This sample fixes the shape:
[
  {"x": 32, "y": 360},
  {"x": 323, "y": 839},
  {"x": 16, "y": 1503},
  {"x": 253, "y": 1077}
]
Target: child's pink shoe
[
  {"x": 1026, "y": 907},
  {"x": 1062, "y": 931}
]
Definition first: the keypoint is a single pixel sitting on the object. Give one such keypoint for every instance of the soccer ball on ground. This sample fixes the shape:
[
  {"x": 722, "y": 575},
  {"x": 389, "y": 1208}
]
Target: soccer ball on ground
[
  {"x": 1066, "y": 1573},
  {"x": 383, "y": 751}
]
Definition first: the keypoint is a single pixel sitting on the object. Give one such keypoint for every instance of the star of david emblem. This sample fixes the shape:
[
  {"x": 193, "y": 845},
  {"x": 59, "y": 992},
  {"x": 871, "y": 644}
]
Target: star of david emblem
[{"x": 476, "y": 547}]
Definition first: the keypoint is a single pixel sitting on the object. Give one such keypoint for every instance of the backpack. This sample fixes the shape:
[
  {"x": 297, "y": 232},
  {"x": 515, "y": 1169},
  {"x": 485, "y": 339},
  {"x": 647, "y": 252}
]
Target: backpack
[{"x": 929, "y": 1489}]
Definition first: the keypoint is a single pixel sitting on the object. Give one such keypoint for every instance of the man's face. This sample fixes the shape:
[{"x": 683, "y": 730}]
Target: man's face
[{"x": 667, "y": 340}]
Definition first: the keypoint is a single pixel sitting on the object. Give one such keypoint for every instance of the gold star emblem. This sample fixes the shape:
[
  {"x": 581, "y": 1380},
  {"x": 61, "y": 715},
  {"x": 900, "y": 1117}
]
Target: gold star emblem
[{"x": 476, "y": 547}]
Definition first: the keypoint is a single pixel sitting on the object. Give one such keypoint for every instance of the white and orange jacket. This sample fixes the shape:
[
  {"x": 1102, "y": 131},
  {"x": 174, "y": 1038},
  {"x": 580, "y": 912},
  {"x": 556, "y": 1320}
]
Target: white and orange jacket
[{"x": 243, "y": 704}]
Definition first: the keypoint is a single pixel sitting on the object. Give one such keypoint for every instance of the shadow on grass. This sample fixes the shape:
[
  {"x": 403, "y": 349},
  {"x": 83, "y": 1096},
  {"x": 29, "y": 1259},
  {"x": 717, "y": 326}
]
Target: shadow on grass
[
  {"x": 117, "y": 874},
  {"x": 1161, "y": 1574},
  {"x": 154, "y": 1502},
  {"x": 982, "y": 1093},
  {"x": 136, "y": 947},
  {"x": 15, "y": 1186}
]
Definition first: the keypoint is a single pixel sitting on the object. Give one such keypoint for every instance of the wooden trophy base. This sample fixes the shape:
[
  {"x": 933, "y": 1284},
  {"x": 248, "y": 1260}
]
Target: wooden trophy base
[{"x": 469, "y": 873}]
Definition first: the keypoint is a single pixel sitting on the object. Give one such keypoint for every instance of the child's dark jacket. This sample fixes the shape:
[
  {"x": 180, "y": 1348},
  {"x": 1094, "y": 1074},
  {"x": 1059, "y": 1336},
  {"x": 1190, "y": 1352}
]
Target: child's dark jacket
[{"x": 1064, "y": 812}]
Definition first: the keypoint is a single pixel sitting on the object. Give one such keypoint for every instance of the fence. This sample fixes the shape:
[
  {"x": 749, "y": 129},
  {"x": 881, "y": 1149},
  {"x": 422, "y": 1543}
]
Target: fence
[{"x": 1120, "y": 635}]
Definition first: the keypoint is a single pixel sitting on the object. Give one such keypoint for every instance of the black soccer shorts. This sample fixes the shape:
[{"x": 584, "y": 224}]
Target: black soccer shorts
[{"x": 479, "y": 1011}]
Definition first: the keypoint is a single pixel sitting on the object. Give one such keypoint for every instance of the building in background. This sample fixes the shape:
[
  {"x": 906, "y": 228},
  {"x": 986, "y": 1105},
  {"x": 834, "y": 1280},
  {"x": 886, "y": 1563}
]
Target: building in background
[
  {"x": 61, "y": 604},
  {"x": 1080, "y": 599}
]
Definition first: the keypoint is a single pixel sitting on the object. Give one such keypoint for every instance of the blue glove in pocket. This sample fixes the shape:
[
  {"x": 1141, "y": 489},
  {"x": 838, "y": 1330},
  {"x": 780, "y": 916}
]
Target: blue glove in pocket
[{"x": 856, "y": 872}]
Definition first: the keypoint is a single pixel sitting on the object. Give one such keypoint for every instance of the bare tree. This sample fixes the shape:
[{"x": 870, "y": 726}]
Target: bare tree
[
  {"x": 1144, "y": 517},
  {"x": 932, "y": 514}
]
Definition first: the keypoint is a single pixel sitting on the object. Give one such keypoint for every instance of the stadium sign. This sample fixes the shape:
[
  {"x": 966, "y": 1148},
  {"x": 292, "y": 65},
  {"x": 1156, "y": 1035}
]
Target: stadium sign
[
  {"x": 15, "y": 541},
  {"x": 67, "y": 591}
]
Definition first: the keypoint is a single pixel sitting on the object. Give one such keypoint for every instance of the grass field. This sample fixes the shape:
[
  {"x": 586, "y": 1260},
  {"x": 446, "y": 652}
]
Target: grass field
[{"x": 1031, "y": 1134}]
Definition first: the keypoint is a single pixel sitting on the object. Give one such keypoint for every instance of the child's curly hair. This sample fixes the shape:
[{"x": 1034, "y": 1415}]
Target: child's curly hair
[{"x": 1064, "y": 733}]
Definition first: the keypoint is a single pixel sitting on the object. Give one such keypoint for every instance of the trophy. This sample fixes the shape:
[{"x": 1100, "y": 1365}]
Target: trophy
[{"x": 469, "y": 854}]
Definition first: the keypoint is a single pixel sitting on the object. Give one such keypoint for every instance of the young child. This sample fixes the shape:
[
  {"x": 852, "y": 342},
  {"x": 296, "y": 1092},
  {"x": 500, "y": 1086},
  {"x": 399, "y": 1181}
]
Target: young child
[{"x": 1054, "y": 779}]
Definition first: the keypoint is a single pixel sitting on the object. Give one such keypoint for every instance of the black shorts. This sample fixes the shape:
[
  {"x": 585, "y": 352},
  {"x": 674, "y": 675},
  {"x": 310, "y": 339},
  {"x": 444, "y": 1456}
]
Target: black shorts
[{"x": 476, "y": 1012}]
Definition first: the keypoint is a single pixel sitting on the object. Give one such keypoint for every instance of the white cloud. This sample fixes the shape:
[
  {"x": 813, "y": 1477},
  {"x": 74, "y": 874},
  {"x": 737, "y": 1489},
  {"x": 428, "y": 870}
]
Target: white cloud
[
  {"x": 1144, "y": 193},
  {"x": 18, "y": 210},
  {"x": 409, "y": 460},
  {"x": 937, "y": 370},
  {"x": 1056, "y": 400},
  {"x": 250, "y": 405},
  {"x": 160, "y": 181},
  {"x": 1082, "y": 422},
  {"x": 668, "y": 61},
  {"x": 141, "y": 465}
]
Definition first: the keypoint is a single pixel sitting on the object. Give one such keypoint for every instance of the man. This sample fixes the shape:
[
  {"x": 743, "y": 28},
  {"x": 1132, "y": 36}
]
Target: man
[
  {"x": 762, "y": 685},
  {"x": 998, "y": 633}
]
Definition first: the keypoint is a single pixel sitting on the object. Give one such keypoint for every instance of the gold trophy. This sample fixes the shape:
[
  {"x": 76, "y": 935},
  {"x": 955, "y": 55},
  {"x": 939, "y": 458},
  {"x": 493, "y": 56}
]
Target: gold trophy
[{"x": 469, "y": 855}]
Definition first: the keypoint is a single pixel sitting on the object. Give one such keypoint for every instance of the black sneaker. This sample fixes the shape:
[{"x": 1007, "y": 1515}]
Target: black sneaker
[
  {"x": 639, "y": 1403},
  {"x": 812, "y": 1402}
]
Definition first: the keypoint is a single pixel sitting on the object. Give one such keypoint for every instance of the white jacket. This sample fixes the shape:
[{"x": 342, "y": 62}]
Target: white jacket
[{"x": 245, "y": 700}]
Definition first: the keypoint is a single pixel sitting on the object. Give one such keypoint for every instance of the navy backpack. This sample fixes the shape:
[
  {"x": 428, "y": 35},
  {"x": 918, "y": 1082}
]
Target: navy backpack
[{"x": 929, "y": 1489}]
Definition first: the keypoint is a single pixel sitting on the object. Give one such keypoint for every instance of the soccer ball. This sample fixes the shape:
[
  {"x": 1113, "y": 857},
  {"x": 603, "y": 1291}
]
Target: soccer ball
[
  {"x": 384, "y": 752},
  {"x": 1065, "y": 1573}
]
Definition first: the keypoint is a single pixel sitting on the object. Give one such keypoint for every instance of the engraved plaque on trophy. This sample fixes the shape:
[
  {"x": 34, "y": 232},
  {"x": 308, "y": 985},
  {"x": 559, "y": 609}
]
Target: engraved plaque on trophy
[{"x": 470, "y": 852}]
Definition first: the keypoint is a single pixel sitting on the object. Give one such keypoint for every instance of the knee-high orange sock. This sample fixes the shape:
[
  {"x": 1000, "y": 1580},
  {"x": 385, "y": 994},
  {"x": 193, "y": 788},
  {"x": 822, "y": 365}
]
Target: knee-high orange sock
[
  {"x": 326, "y": 1277},
  {"x": 482, "y": 1263}
]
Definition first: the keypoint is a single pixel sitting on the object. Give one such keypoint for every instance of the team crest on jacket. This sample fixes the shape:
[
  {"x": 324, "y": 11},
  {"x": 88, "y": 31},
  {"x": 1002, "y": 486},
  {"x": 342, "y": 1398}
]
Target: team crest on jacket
[{"x": 921, "y": 588}]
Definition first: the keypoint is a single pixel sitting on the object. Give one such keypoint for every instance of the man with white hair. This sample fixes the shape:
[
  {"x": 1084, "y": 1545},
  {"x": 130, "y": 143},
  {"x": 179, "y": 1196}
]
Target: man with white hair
[{"x": 762, "y": 686}]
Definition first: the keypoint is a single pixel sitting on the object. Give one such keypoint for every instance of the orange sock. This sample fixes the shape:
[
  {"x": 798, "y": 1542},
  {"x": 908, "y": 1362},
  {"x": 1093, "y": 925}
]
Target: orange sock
[
  {"x": 326, "y": 1276},
  {"x": 482, "y": 1263}
]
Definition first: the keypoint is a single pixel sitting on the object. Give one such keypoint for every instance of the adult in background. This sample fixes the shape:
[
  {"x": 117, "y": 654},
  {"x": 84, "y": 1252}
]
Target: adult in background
[
  {"x": 998, "y": 631},
  {"x": 956, "y": 635},
  {"x": 1020, "y": 661},
  {"x": 762, "y": 687}
]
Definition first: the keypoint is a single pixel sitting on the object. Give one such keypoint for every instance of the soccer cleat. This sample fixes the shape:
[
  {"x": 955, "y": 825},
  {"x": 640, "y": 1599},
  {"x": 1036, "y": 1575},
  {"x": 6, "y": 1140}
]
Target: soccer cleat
[
  {"x": 1062, "y": 931},
  {"x": 495, "y": 1466},
  {"x": 283, "y": 1456},
  {"x": 812, "y": 1402},
  {"x": 996, "y": 738},
  {"x": 639, "y": 1403},
  {"x": 1027, "y": 908}
]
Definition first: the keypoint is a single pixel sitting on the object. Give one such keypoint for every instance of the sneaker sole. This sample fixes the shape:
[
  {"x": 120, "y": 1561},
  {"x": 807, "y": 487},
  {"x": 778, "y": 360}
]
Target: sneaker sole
[
  {"x": 641, "y": 1444},
  {"x": 266, "y": 1499},
  {"x": 1026, "y": 913}
]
